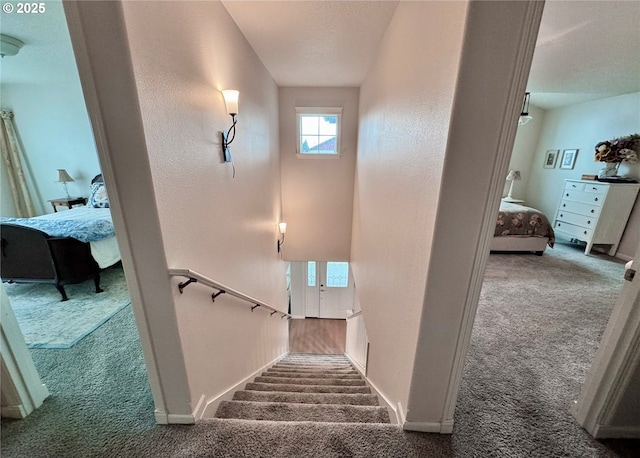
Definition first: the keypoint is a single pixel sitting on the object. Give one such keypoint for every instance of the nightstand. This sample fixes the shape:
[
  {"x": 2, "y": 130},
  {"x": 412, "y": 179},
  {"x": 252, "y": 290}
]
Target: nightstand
[{"x": 67, "y": 202}]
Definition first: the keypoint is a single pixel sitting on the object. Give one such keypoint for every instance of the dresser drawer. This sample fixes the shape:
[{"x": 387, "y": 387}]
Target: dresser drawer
[
  {"x": 596, "y": 188},
  {"x": 573, "y": 186},
  {"x": 573, "y": 230},
  {"x": 583, "y": 197},
  {"x": 579, "y": 208},
  {"x": 578, "y": 220}
]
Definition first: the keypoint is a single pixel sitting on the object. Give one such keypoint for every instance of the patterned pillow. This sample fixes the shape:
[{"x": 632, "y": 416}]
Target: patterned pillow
[{"x": 98, "y": 197}]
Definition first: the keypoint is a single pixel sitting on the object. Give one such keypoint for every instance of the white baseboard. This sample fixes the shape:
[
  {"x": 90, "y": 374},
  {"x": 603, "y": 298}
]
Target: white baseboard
[
  {"x": 393, "y": 413},
  {"x": 423, "y": 427},
  {"x": 163, "y": 418},
  {"x": 442, "y": 427},
  {"x": 200, "y": 407},
  {"x": 211, "y": 405},
  {"x": 15, "y": 411},
  {"x": 616, "y": 432}
]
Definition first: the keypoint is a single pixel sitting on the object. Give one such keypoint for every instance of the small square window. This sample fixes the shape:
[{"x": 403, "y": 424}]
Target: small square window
[{"x": 318, "y": 131}]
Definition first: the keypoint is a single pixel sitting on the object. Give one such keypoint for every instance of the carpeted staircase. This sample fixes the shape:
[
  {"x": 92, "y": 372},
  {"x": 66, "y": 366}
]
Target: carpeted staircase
[{"x": 306, "y": 387}]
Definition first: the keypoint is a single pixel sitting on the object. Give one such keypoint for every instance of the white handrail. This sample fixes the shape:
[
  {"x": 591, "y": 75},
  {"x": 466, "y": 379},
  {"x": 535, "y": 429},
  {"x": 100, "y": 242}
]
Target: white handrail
[{"x": 196, "y": 277}]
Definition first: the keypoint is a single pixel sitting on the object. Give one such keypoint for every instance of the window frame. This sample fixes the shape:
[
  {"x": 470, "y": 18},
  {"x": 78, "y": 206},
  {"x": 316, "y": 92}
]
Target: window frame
[{"x": 319, "y": 111}]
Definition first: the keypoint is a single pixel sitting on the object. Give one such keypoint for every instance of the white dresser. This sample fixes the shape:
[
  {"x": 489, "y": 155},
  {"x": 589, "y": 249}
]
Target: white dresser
[{"x": 595, "y": 212}]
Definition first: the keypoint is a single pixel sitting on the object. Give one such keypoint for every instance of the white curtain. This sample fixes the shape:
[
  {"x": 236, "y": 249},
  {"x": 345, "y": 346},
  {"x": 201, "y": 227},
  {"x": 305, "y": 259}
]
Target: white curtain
[{"x": 13, "y": 161}]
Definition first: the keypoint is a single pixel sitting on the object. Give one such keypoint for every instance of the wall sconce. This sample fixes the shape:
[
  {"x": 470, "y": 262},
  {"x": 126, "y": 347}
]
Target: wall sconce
[
  {"x": 514, "y": 175},
  {"x": 283, "y": 229},
  {"x": 524, "y": 114},
  {"x": 231, "y": 102},
  {"x": 64, "y": 178}
]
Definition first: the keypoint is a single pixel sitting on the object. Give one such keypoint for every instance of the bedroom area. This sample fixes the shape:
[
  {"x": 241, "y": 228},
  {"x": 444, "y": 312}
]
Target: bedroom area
[
  {"x": 62, "y": 276},
  {"x": 541, "y": 319}
]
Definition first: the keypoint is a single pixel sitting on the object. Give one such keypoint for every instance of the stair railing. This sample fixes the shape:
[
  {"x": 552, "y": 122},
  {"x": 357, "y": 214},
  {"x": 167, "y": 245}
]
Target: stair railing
[
  {"x": 357, "y": 342},
  {"x": 194, "y": 277}
]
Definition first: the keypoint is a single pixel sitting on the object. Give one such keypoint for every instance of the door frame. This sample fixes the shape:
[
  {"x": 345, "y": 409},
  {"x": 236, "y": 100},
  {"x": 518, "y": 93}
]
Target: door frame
[{"x": 613, "y": 366}]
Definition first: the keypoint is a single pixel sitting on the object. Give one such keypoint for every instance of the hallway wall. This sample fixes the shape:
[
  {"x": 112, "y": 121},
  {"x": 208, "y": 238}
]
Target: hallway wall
[
  {"x": 222, "y": 226},
  {"x": 405, "y": 105},
  {"x": 317, "y": 192}
]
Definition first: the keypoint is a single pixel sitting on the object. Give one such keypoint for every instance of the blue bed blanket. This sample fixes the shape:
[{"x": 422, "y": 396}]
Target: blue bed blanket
[{"x": 81, "y": 229}]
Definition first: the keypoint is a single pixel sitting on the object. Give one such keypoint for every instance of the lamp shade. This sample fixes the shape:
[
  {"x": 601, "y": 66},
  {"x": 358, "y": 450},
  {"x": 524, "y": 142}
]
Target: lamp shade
[
  {"x": 283, "y": 227},
  {"x": 63, "y": 177},
  {"x": 231, "y": 100},
  {"x": 514, "y": 175}
]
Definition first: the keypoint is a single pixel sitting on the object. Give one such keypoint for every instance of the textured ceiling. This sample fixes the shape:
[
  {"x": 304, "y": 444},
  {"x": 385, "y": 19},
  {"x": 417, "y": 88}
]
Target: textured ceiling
[
  {"x": 586, "y": 49},
  {"x": 314, "y": 43}
]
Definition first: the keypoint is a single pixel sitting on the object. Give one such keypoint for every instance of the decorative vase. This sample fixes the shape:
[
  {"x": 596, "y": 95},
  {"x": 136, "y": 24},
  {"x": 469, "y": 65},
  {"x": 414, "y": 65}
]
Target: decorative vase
[{"x": 610, "y": 170}]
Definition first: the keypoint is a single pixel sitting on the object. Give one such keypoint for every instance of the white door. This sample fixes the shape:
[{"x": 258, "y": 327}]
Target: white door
[
  {"x": 335, "y": 290},
  {"x": 327, "y": 286}
]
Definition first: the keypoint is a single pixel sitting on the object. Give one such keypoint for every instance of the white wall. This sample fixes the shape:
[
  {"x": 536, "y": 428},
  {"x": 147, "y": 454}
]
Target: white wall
[
  {"x": 524, "y": 152},
  {"x": 224, "y": 227},
  {"x": 50, "y": 116},
  {"x": 405, "y": 105},
  {"x": 317, "y": 192},
  {"x": 581, "y": 127}
]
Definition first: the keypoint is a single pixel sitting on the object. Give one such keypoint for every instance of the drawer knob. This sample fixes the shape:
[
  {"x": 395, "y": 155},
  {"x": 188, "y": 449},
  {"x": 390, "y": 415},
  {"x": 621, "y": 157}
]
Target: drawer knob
[
  {"x": 588, "y": 222},
  {"x": 595, "y": 200},
  {"x": 564, "y": 205},
  {"x": 561, "y": 215},
  {"x": 567, "y": 194},
  {"x": 585, "y": 232},
  {"x": 573, "y": 185},
  {"x": 593, "y": 211},
  {"x": 594, "y": 188}
]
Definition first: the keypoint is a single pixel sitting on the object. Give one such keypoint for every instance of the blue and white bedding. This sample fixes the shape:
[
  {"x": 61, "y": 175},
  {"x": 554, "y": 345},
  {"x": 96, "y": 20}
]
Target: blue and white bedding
[{"x": 87, "y": 224}]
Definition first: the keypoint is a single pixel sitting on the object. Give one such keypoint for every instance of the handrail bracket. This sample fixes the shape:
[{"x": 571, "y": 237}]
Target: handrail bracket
[
  {"x": 255, "y": 306},
  {"x": 214, "y": 295},
  {"x": 184, "y": 284}
]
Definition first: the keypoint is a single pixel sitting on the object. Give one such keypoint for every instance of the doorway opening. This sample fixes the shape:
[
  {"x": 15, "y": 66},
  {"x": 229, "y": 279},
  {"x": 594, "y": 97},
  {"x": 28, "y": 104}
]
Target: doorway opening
[{"x": 322, "y": 295}]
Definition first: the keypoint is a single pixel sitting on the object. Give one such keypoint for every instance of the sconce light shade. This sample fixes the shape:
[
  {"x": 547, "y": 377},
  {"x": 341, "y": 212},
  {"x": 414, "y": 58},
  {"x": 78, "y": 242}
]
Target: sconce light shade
[
  {"x": 282, "y": 227},
  {"x": 64, "y": 178},
  {"x": 231, "y": 100},
  {"x": 9, "y": 46},
  {"x": 524, "y": 114}
]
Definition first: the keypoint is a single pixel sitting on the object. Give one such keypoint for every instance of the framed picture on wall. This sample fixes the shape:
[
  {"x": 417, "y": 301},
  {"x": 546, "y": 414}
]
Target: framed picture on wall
[
  {"x": 550, "y": 158},
  {"x": 568, "y": 158}
]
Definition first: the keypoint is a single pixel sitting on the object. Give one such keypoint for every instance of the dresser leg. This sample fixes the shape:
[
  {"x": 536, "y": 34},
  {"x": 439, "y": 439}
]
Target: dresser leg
[
  {"x": 613, "y": 249},
  {"x": 588, "y": 249}
]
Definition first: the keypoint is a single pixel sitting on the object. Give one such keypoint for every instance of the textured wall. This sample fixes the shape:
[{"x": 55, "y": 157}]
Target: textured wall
[
  {"x": 405, "y": 105},
  {"x": 224, "y": 227},
  {"x": 317, "y": 192}
]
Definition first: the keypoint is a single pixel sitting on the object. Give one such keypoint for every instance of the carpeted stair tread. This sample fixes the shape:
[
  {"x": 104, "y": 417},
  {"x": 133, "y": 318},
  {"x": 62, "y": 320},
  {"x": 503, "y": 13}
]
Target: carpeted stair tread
[
  {"x": 298, "y": 367},
  {"x": 306, "y": 398},
  {"x": 257, "y": 386},
  {"x": 271, "y": 373},
  {"x": 282, "y": 411},
  {"x": 314, "y": 370},
  {"x": 310, "y": 381}
]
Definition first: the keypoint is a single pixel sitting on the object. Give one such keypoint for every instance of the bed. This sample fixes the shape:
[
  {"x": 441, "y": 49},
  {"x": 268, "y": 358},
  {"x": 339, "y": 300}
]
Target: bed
[
  {"x": 61, "y": 248},
  {"x": 522, "y": 229}
]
